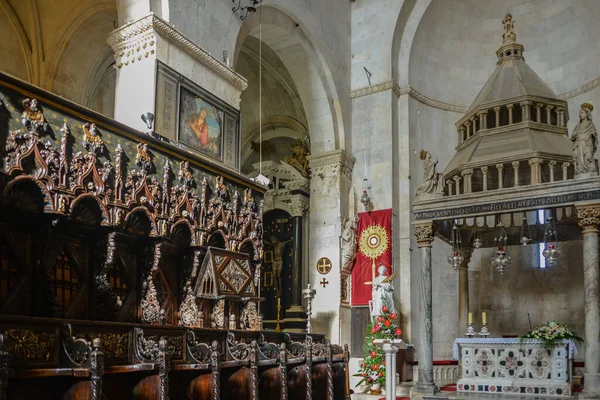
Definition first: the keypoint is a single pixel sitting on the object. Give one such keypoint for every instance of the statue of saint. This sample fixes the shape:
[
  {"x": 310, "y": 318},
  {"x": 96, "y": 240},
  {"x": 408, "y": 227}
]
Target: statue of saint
[
  {"x": 349, "y": 243},
  {"x": 433, "y": 180},
  {"x": 509, "y": 29},
  {"x": 278, "y": 248},
  {"x": 585, "y": 142},
  {"x": 382, "y": 291},
  {"x": 298, "y": 158},
  {"x": 33, "y": 118}
]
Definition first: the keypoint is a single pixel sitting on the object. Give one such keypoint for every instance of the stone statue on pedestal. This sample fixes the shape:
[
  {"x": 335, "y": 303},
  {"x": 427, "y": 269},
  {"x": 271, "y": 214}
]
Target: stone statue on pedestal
[
  {"x": 349, "y": 244},
  {"x": 585, "y": 143},
  {"x": 433, "y": 185},
  {"x": 383, "y": 289}
]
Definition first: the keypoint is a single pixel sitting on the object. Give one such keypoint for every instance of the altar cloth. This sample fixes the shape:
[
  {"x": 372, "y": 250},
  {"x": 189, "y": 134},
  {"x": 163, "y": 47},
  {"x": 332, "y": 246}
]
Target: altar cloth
[{"x": 507, "y": 341}]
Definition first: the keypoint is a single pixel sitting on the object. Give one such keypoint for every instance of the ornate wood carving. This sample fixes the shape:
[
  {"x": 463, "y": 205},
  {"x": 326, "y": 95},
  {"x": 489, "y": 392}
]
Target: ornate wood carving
[
  {"x": 254, "y": 369},
  {"x": 267, "y": 350},
  {"x": 239, "y": 351},
  {"x": 146, "y": 348},
  {"x": 198, "y": 352},
  {"x": 189, "y": 313},
  {"x": 4, "y": 356},
  {"x": 96, "y": 369},
  {"x": 309, "y": 351},
  {"x": 30, "y": 346},
  {"x": 329, "y": 371},
  {"x": 294, "y": 349},
  {"x": 164, "y": 366},
  {"x": 283, "y": 368},
  {"x": 77, "y": 349},
  {"x": 216, "y": 370},
  {"x": 152, "y": 312}
]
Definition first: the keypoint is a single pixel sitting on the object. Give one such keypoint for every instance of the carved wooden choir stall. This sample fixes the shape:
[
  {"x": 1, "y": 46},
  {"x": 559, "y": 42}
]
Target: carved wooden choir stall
[{"x": 130, "y": 268}]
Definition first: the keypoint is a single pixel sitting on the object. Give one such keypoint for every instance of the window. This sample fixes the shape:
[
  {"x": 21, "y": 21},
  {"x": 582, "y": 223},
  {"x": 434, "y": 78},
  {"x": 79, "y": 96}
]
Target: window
[{"x": 64, "y": 280}]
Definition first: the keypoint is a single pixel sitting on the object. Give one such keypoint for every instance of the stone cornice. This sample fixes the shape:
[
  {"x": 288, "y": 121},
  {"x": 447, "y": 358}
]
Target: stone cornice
[
  {"x": 127, "y": 36},
  {"x": 456, "y": 108}
]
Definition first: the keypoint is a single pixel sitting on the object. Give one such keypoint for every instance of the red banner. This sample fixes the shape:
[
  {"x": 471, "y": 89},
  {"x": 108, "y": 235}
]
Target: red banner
[{"x": 374, "y": 235}]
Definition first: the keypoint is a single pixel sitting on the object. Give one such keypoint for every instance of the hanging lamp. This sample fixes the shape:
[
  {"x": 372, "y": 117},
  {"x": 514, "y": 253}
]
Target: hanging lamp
[
  {"x": 551, "y": 251},
  {"x": 456, "y": 258},
  {"x": 501, "y": 261},
  {"x": 525, "y": 231}
]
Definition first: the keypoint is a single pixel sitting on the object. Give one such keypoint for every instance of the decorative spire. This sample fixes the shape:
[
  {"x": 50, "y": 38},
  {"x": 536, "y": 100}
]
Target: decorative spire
[{"x": 509, "y": 36}]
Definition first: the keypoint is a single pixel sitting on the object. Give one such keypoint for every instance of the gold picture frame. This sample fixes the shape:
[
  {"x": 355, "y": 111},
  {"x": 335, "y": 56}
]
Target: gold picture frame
[
  {"x": 268, "y": 256},
  {"x": 268, "y": 279}
]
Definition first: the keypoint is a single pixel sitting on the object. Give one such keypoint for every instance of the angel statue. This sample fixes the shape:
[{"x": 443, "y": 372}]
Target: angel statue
[
  {"x": 33, "y": 118},
  {"x": 585, "y": 142},
  {"x": 433, "y": 184},
  {"x": 349, "y": 243},
  {"x": 91, "y": 140},
  {"x": 383, "y": 289},
  {"x": 298, "y": 158},
  {"x": 142, "y": 158}
]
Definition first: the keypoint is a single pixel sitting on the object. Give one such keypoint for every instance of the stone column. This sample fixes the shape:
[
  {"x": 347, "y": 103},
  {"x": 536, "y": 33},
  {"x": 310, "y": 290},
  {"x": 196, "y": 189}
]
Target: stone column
[
  {"x": 565, "y": 167},
  {"x": 510, "y": 113},
  {"x": 549, "y": 114},
  {"x": 551, "y": 164},
  {"x": 500, "y": 168},
  {"x": 515, "y": 166},
  {"x": 294, "y": 315},
  {"x": 463, "y": 290},
  {"x": 424, "y": 232},
  {"x": 589, "y": 218},
  {"x": 466, "y": 174},
  {"x": 538, "y": 113},
  {"x": 449, "y": 184},
  {"x": 497, "y": 111},
  {"x": 461, "y": 132},
  {"x": 535, "y": 171},
  {"x": 526, "y": 110},
  {"x": 561, "y": 117},
  {"x": 474, "y": 123},
  {"x": 468, "y": 125},
  {"x": 457, "y": 183},
  {"x": 484, "y": 171}
]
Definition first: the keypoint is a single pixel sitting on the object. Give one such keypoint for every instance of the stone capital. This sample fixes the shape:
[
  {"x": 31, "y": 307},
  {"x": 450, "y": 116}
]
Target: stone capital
[
  {"x": 588, "y": 216},
  {"x": 537, "y": 161},
  {"x": 424, "y": 232},
  {"x": 299, "y": 207},
  {"x": 335, "y": 162}
]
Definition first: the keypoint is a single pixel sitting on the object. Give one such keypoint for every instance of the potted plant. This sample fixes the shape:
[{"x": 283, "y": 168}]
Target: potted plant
[{"x": 372, "y": 368}]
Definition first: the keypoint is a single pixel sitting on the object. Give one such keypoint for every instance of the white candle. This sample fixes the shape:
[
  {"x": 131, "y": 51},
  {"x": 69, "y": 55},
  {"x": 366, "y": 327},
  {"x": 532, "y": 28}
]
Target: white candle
[
  {"x": 470, "y": 318},
  {"x": 483, "y": 318}
]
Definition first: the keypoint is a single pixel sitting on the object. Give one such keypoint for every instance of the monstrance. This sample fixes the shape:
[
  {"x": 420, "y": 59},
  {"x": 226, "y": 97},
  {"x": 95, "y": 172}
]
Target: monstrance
[{"x": 373, "y": 243}]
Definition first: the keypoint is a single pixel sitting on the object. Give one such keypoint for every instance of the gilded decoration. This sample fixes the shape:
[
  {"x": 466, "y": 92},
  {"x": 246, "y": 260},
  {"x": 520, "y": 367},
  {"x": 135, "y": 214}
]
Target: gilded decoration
[{"x": 28, "y": 345}]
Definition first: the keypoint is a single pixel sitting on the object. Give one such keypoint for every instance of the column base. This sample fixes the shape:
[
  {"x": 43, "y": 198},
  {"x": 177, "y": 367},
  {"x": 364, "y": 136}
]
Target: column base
[
  {"x": 424, "y": 388},
  {"x": 591, "y": 386}
]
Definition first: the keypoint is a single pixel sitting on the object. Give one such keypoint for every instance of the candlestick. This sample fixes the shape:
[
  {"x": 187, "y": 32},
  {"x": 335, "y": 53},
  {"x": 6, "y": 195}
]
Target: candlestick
[
  {"x": 309, "y": 294},
  {"x": 470, "y": 331},
  {"x": 483, "y": 318},
  {"x": 278, "y": 328},
  {"x": 470, "y": 318},
  {"x": 484, "y": 330}
]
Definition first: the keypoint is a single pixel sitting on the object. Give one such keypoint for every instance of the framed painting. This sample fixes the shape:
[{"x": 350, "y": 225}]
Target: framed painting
[{"x": 200, "y": 124}]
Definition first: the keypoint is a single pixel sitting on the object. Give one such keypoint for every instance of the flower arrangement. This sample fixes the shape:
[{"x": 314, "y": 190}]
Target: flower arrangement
[
  {"x": 551, "y": 334},
  {"x": 372, "y": 369}
]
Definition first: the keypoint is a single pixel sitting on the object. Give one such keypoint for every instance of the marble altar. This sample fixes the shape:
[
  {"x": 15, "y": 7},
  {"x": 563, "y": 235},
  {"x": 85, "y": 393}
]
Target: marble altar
[{"x": 509, "y": 366}]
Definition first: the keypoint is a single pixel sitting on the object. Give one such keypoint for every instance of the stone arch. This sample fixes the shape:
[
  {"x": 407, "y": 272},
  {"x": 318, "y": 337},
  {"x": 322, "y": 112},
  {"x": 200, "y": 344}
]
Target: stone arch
[
  {"x": 313, "y": 78},
  {"x": 88, "y": 209},
  {"x": 28, "y": 193},
  {"x": 139, "y": 221},
  {"x": 10, "y": 22}
]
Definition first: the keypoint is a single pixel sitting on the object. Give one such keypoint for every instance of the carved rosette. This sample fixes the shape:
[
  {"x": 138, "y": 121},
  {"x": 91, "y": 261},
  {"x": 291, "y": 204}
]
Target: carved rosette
[
  {"x": 588, "y": 216},
  {"x": 424, "y": 232}
]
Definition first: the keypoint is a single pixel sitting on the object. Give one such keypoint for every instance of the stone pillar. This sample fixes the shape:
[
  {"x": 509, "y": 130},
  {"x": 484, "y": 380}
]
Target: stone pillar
[
  {"x": 474, "y": 123},
  {"x": 500, "y": 168},
  {"x": 565, "y": 166},
  {"x": 484, "y": 171},
  {"x": 449, "y": 184},
  {"x": 424, "y": 232},
  {"x": 462, "y": 134},
  {"x": 515, "y": 166},
  {"x": 463, "y": 289},
  {"x": 467, "y": 174},
  {"x": 551, "y": 164},
  {"x": 538, "y": 113},
  {"x": 497, "y": 111},
  {"x": 295, "y": 316},
  {"x": 526, "y": 109},
  {"x": 589, "y": 218},
  {"x": 510, "y": 113},
  {"x": 561, "y": 117},
  {"x": 457, "y": 183},
  {"x": 549, "y": 114},
  {"x": 332, "y": 172},
  {"x": 468, "y": 125},
  {"x": 536, "y": 171}
]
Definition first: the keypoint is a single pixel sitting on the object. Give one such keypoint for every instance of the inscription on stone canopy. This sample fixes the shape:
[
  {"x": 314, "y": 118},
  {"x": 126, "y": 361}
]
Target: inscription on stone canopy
[{"x": 510, "y": 205}]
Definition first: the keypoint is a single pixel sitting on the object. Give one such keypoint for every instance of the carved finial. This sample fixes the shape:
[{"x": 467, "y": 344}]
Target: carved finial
[
  {"x": 509, "y": 35},
  {"x": 96, "y": 343}
]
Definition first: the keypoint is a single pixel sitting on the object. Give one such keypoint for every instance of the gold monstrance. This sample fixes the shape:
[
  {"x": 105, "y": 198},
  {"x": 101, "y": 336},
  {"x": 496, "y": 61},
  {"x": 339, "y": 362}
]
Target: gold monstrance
[{"x": 373, "y": 242}]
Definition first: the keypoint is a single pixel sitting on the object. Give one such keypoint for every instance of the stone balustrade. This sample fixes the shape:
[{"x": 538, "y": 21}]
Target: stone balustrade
[{"x": 535, "y": 171}]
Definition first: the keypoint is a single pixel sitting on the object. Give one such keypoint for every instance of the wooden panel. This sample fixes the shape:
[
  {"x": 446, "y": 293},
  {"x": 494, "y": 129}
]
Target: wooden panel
[{"x": 360, "y": 320}]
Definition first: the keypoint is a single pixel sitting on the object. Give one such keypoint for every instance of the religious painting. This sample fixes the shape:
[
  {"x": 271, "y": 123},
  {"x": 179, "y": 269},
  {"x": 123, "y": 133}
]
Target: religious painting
[{"x": 200, "y": 125}]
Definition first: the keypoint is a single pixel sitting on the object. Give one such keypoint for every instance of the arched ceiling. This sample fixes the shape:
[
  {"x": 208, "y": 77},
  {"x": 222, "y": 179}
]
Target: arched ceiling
[{"x": 453, "y": 52}]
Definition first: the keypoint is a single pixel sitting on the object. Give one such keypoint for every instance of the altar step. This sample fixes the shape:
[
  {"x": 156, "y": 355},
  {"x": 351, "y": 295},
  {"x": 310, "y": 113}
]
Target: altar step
[{"x": 481, "y": 396}]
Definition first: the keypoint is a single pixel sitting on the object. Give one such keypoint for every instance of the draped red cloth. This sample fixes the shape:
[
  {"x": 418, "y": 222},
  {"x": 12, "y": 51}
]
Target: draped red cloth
[{"x": 371, "y": 227}]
